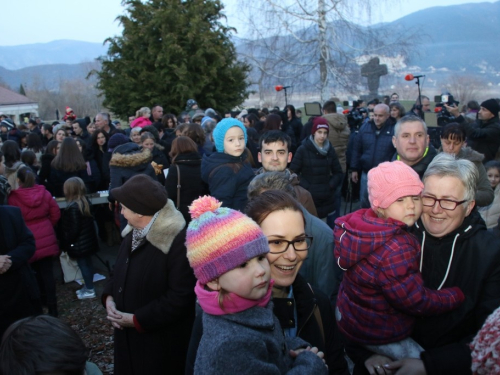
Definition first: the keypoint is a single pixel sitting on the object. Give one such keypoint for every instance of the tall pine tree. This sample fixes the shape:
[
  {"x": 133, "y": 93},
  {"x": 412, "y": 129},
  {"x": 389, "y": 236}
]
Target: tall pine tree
[{"x": 171, "y": 51}]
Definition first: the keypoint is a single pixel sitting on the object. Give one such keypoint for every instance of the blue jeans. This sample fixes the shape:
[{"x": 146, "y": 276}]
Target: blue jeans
[
  {"x": 363, "y": 190},
  {"x": 87, "y": 269}
]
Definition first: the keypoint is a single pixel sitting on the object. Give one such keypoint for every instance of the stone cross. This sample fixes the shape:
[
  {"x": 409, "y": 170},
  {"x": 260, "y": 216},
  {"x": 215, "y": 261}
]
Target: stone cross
[{"x": 373, "y": 70}]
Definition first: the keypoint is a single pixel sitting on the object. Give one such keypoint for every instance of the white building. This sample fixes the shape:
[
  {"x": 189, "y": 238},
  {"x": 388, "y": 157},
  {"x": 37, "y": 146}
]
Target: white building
[{"x": 17, "y": 106}]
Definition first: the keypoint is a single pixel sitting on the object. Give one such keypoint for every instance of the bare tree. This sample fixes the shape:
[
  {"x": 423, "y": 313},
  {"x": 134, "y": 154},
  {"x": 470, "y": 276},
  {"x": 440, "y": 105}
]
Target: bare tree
[
  {"x": 313, "y": 45},
  {"x": 465, "y": 87}
]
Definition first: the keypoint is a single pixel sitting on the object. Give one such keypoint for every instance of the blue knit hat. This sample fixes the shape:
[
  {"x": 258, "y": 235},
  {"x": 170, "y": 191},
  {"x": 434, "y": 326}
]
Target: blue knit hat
[{"x": 221, "y": 130}]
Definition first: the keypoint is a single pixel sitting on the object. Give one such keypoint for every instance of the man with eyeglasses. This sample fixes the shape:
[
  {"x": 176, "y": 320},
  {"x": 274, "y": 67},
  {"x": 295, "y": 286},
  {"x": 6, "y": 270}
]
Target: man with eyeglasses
[{"x": 456, "y": 251}]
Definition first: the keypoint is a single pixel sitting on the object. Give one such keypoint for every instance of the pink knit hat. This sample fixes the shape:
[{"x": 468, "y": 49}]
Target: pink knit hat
[
  {"x": 219, "y": 239},
  {"x": 390, "y": 181},
  {"x": 486, "y": 346}
]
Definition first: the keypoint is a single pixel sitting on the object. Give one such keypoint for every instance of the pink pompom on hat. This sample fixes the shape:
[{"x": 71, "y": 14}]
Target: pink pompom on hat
[
  {"x": 219, "y": 239},
  {"x": 390, "y": 181},
  {"x": 486, "y": 347}
]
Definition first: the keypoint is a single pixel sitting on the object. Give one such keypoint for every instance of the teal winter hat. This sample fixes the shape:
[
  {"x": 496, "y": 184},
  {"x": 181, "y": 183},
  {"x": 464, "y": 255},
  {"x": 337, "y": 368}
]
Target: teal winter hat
[{"x": 220, "y": 131}]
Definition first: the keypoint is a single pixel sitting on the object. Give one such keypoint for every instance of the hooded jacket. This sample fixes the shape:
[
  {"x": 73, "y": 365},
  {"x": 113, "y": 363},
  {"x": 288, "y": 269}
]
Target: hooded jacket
[
  {"x": 338, "y": 136},
  {"x": 126, "y": 161},
  {"x": 473, "y": 255},
  {"x": 227, "y": 177},
  {"x": 41, "y": 213},
  {"x": 156, "y": 284},
  {"x": 319, "y": 174},
  {"x": 382, "y": 290}
]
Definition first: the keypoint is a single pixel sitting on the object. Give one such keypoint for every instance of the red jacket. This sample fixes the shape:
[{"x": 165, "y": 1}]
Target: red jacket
[
  {"x": 40, "y": 212},
  {"x": 382, "y": 291}
]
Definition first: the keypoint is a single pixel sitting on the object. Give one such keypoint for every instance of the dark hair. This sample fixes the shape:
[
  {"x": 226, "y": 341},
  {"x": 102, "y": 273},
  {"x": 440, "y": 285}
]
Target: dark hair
[
  {"x": 47, "y": 127},
  {"x": 252, "y": 119},
  {"x": 147, "y": 135},
  {"x": 51, "y": 147},
  {"x": 86, "y": 150},
  {"x": 395, "y": 93},
  {"x": 42, "y": 345},
  {"x": 26, "y": 177},
  {"x": 195, "y": 132},
  {"x": 11, "y": 152},
  {"x": 182, "y": 145},
  {"x": 272, "y": 122},
  {"x": 275, "y": 136},
  {"x": 259, "y": 208},
  {"x": 28, "y": 157},
  {"x": 94, "y": 138},
  {"x": 492, "y": 164},
  {"x": 69, "y": 158},
  {"x": 151, "y": 129},
  {"x": 292, "y": 110},
  {"x": 473, "y": 105},
  {"x": 399, "y": 107},
  {"x": 330, "y": 106},
  {"x": 454, "y": 131},
  {"x": 165, "y": 118},
  {"x": 34, "y": 142}
]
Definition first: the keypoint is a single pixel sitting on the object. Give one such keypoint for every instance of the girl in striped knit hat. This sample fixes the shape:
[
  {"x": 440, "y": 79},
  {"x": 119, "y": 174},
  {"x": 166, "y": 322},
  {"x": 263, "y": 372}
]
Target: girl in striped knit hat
[{"x": 241, "y": 335}]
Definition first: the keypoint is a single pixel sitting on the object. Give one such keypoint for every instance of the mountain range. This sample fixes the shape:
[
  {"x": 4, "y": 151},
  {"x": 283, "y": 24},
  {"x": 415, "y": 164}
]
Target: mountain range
[{"x": 455, "y": 38}]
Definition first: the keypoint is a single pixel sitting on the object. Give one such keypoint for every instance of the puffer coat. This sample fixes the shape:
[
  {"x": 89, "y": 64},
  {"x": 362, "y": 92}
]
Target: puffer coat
[{"x": 78, "y": 235}]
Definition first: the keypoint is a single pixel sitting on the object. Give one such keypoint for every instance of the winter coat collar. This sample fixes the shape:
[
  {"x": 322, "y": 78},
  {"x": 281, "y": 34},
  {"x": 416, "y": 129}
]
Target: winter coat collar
[
  {"x": 130, "y": 157},
  {"x": 165, "y": 228}
]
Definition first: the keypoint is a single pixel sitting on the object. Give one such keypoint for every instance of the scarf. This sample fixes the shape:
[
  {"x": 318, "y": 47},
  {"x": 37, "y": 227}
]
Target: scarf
[
  {"x": 138, "y": 235},
  {"x": 324, "y": 150},
  {"x": 233, "y": 303}
]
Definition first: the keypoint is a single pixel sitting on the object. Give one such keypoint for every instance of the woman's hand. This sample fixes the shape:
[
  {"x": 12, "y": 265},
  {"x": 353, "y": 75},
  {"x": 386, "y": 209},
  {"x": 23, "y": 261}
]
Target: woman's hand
[
  {"x": 5, "y": 263},
  {"x": 376, "y": 365},
  {"x": 125, "y": 320},
  {"x": 408, "y": 366},
  {"x": 113, "y": 313}
]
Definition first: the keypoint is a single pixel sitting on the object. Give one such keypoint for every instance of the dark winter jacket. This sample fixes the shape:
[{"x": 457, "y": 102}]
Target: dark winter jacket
[
  {"x": 167, "y": 139},
  {"x": 319, "y": 174},
  {"x": 156, "y": 284},
  {"x": 370, "y": 149},
  {"x": 422, "y": 165},
  {"x": 192, "y": 186},
  {"x": 382, "y": 290},
  {"x": 44, "y": 173},
  {"x": 296, "y": 125},
  {"x": 41, "y": 213},
  {"x": 78, "y": 235},
  {"x": 338, "y": 135},
  {"x": 58, "y": 177},
  {"x": 102, "y": 160},
  {"x": 482, "y": 136},
  {"x": 249, "y": 342},
  {"x": 227, "y": 178},
  {"x": 17, "y": 285},
  {"x": 160, "y": 158},
  {"x": 126, "y": 161}
]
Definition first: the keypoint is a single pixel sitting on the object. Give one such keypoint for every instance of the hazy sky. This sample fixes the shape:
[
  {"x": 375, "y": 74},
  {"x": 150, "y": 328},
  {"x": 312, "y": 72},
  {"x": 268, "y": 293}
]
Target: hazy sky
[{"x": 36, "y": 21}]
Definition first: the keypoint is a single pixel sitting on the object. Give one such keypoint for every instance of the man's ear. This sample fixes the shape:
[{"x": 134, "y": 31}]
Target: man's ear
[
  {"x": 394, "y": 141},
  {"x": 214, "y": 284},
  {"x": 259, "y": 157},
  {"x": 290, "y": 157}
]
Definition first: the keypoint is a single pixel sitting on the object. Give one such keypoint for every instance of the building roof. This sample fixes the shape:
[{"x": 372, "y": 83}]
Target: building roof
[{"x": 8, "y": 97}]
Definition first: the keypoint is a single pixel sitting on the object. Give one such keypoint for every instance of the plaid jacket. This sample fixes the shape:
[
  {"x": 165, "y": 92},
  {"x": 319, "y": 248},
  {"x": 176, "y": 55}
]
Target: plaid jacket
[{"x": 382, "y": 291}]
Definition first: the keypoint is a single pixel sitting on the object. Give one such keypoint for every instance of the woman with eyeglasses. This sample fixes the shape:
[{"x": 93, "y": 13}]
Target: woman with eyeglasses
[
  {"x": 456, "y": 251},
  {"x": 302, "y": 311}
]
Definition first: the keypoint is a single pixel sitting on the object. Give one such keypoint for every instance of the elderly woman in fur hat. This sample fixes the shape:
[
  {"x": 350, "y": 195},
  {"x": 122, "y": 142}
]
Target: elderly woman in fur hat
[{"x": 150, "y": 298}]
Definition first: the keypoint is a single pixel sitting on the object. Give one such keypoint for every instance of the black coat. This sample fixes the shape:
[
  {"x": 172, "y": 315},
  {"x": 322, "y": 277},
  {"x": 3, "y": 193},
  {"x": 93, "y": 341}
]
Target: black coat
[
  {"x": 319, "y": 174},
  {"x": 44, "y": 173},
  {"x": 58, "y": 177},
  {"x": 78, "y": 234},
  {"x": 192, "y": 186},
  {"x": 156, "y": 284},
  {"x": 17, "y": 286},
  {"x": 309, "y": 305},
  {"x": 228, "y": 178}
]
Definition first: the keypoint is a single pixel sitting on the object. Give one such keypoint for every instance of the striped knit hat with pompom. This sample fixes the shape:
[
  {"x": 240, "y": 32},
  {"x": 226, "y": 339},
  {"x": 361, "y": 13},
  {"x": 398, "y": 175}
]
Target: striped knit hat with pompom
[
  {"x": 219, "y": 239},
  {"x": 486, "y": 347}
]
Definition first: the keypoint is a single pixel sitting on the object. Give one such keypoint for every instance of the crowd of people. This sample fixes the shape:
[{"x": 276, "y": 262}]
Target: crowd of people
[{"x": 234, "y": 256}]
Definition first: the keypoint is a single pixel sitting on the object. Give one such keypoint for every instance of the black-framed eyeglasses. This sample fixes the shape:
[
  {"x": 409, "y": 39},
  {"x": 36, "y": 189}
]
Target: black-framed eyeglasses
[
  {"x": 446, "y": 204},
  {"x": 278, "y": 245}
]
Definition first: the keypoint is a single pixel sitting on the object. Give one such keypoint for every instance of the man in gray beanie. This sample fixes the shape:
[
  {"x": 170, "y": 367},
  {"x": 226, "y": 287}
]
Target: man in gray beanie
[{"x": 483, "y": 134}]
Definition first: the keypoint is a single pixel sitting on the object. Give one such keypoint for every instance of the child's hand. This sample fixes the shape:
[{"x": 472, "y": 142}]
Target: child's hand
[{"x": 315, "y": 350}]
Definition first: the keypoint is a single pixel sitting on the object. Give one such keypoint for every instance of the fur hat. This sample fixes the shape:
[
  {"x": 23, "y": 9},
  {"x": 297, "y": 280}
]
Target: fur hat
[
  {"x": 492, "y": 106},
  {"x": 320, "y": 123},
  {"x": 221, "y": 129},
  {"x": 142, "y": 195},
  {"x": 486, "y": 346},
  {"x": 390, "y": 181},
  {"x": 219, "y": 239}
]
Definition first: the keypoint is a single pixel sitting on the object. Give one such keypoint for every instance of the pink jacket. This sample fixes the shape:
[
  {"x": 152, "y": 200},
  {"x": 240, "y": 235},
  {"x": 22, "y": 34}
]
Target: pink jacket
[
  {"x": 140, "y": 122},
  {"x": 41, "y": 213}
]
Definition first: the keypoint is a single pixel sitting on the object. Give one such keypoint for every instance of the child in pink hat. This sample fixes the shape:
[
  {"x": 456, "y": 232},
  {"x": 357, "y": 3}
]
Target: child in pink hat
[{"x": 382, "y": 291}]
